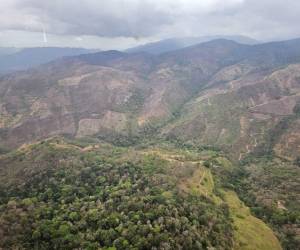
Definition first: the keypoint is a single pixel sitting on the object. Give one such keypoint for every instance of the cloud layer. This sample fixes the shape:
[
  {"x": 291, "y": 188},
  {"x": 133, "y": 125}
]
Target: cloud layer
[{"x": 145, "y": 19}]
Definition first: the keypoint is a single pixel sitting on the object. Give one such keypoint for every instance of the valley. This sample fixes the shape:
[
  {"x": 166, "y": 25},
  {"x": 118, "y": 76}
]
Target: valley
[{"x": 196, "y": 148}]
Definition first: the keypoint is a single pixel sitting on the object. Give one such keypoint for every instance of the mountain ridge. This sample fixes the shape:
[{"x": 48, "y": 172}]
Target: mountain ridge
[
  {"x": 26, "y": 58},
  {"x": 151, "y": 79},
  {"x": 220, "y": 117},
  {"x": 172, "y": 44}
]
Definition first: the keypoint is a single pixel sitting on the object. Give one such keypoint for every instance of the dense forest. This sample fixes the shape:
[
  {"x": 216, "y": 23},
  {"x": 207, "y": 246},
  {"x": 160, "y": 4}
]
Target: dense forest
[
  {"x": 66, "y": 194},
  {"x": 66, "y": 197}
]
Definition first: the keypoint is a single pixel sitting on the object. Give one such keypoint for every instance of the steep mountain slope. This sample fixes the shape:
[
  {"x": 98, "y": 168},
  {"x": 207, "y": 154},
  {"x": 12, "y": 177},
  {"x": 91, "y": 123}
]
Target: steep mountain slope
[
  {"x": 13, "y": 59},
  {"x": 84, "y": 95},
  {"x": 242, "y": 100},
  {"x": 219, "y": 93},
  {"x": 243, "y": 105}
]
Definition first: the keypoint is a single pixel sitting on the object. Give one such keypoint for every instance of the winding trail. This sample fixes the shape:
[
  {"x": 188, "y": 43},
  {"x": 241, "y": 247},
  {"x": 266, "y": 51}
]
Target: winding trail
[{"x": 250, "y": 147}]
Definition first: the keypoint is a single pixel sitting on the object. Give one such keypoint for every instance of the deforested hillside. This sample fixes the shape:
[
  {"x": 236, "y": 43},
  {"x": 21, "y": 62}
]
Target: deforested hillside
[
  {"x": 196, "y": 148},
  {"x": 218, "y": 93}
]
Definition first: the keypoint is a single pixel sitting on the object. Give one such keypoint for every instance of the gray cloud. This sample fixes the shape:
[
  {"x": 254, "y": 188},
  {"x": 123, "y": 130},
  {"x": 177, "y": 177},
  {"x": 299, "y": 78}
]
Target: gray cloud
[{"x": 153, "y": 19}]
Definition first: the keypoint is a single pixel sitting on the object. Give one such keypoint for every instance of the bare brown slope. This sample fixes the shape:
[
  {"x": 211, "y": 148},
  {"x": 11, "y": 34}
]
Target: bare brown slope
[
  {"x": 242, "y": 109},
  {"x": 227, "y": 94},
  {"x": 91, "y": 94}
]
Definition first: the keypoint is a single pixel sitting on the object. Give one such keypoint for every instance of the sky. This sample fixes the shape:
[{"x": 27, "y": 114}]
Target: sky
[{"x": 119, "y": 24}]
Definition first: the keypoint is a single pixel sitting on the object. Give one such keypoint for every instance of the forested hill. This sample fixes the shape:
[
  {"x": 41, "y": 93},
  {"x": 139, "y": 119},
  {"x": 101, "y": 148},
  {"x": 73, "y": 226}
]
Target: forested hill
[{"x": 74, "y": 195}]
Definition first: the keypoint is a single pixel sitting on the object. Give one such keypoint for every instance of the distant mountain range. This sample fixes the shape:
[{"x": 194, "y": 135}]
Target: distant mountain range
[
  {"x": 8, "y": 51},
  {"x": 179, "y": 43},
  {"x": 12, "y": 59}
]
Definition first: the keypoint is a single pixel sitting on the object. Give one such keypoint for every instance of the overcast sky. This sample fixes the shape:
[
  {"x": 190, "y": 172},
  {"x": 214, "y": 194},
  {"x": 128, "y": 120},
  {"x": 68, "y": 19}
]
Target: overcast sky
[{"x": 118, "y": 24}]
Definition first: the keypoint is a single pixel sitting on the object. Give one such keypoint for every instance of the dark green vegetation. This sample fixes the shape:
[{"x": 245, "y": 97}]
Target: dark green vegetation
[
  {"x": 62, "y": 196},
  {"x": 271, "y": 188}
]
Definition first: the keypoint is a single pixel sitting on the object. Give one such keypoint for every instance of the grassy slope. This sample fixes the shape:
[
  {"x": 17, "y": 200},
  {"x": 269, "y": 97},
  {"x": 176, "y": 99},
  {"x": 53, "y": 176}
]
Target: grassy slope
[
  {"x": 250, "y": 232},
  {"x": 270, "y": 187}
]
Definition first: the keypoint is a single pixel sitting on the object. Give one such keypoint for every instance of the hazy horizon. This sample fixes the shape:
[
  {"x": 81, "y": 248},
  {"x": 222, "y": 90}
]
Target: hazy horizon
[{"x": 120, "y": 24}]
